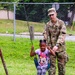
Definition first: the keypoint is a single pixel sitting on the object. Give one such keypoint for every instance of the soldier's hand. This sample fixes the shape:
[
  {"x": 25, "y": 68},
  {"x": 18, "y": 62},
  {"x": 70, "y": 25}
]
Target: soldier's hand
[{"x": 55, "y": 48}]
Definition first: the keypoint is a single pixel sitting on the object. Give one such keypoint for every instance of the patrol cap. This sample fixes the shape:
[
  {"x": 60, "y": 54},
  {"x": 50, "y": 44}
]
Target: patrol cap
[{"x": 51, "y": 11}]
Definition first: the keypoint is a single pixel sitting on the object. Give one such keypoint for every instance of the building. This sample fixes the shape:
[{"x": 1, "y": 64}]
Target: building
[{"x": 4, "y": 14}]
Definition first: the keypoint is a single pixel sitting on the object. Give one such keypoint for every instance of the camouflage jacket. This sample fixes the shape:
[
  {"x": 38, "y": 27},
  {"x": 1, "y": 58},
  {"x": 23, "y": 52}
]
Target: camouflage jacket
[{"x": 55, "y": 34}]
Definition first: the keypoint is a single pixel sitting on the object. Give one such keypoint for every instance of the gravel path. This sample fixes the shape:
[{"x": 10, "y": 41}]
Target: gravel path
[{"x": 68, "y": 38}]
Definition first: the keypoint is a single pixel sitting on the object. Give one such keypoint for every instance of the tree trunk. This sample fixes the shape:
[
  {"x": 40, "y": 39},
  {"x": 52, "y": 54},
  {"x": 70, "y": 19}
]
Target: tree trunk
[{"x": 72, "y": 16}]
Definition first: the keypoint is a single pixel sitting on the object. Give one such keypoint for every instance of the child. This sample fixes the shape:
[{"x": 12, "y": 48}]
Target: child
[{"x": 43, "y": 57}]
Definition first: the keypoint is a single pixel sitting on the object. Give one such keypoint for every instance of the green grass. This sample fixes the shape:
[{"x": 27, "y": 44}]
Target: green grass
[
  {"x": 21, "y": 26},
  {"x": 71, "y": 30},
  {"x": 16, "y": 54},
  {"x": 71, "y": 52},
  {"x": 18, "y": 61}
]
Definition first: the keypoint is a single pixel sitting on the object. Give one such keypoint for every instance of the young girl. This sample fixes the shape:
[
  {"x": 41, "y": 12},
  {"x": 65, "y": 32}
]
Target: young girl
[{"x": 43, "y": 57}]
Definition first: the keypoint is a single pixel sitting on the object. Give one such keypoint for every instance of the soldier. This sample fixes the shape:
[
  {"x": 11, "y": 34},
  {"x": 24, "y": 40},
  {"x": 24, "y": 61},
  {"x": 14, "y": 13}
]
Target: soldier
[{"x": 55, "y": 34}]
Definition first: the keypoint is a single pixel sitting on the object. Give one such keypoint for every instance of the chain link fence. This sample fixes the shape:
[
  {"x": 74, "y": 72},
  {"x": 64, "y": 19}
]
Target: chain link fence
[{"x": 15, "y": 18}]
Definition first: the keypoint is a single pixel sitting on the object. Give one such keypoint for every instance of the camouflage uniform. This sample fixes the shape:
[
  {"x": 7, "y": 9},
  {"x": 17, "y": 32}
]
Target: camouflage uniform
[{"x": 55, "y": 36}]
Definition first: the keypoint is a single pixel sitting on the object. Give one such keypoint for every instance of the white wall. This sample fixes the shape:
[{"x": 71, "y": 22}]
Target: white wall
[{"x": 3, "y": 14}]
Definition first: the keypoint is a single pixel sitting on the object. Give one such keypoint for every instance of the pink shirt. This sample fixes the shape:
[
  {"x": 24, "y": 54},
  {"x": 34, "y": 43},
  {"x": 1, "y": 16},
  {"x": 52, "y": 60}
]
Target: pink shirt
[{"x": 43, "y": 57}]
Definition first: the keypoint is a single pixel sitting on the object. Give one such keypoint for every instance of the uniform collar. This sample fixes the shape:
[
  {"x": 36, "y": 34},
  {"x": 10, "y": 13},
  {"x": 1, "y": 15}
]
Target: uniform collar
[{"x": 51, "y": 24}]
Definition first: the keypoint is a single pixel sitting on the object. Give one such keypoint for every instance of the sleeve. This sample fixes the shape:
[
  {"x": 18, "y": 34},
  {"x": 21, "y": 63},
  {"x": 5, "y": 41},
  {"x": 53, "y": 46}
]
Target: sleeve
[
  {"x": 48, "y": 51},
  {"x": 37, "y": 51},
  {"x": 62, "y": 35}
]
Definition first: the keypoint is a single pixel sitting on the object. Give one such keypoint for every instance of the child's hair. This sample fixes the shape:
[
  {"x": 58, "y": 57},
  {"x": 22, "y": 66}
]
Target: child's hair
[{"x": 42, "y": 41}]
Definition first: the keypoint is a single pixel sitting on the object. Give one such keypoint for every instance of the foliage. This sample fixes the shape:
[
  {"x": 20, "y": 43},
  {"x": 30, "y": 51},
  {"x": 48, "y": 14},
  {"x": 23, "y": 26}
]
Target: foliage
[
  {"x": 7, "y": 6},
  {"x": 37, "y": 0},
  {"x": 9, "y": 0},
  {"x": 32, "y": 11},
  {"x": 73, "y": 23},
  {"x": 38, "y": 12}
]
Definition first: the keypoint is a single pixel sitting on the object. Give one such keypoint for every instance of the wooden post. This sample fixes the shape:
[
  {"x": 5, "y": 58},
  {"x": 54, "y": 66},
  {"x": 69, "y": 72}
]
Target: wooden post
[
  {"x": 31, "y": 30},
  {"x": 3, "y": 62},
  {"x": 31, "y": 33}
]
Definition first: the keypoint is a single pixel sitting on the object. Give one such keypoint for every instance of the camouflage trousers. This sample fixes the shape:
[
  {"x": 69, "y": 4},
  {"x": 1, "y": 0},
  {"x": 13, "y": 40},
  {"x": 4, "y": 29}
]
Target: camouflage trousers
[{"x": 62, "y": 59}]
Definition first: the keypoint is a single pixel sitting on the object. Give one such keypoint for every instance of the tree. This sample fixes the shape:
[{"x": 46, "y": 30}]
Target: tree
[{"x": 72, "y": 8}]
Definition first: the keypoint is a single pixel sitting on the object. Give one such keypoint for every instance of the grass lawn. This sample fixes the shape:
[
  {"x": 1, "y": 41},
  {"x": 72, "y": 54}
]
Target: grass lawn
[
  {"x": 18, "y": 61},
  {"x": 21, "y": 26},
  {"x": 6, "y": 26}
]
